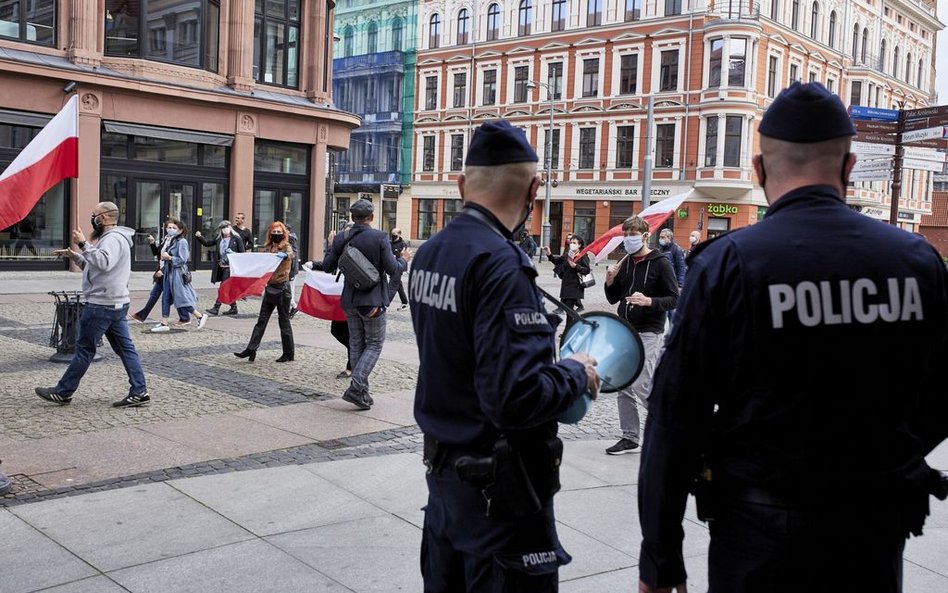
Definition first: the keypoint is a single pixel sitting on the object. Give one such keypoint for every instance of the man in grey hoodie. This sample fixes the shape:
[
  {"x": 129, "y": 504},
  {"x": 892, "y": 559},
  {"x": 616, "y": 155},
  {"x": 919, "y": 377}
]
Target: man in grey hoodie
[{"x": 106, "y": 262}]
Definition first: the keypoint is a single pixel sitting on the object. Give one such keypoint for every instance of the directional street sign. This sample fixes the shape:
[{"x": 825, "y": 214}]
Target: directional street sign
[
  {"x": 925, "y": 134},
  {"x": 926, "y": 154},
  {"x": 870, "y": 176},
  {"x": 879, "y": 127},
  {"x": 875, "y": 138},
  {"x": 937, "y": 111},
  {"x": 859, "y": 112},
  {"x": 923, "y": 165},
  {"x": 925, "y": 122},
  {"x": 877, "y": 165},
  {"x": 861, "y": 148},
  {"x": 929, "y": 143}
]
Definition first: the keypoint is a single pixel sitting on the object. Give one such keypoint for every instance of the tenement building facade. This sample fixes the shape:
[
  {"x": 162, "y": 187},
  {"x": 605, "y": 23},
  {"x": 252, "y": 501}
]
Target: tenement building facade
[
  {"x": 196, "y": 109},
  {"x": 711, "y": 68},
  {"x": 374, "y": 77}
]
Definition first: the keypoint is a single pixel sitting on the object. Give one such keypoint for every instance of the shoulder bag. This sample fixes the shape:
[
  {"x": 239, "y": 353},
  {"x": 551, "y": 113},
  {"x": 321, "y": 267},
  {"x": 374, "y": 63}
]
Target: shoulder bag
[{"x": 356, "y": 267}]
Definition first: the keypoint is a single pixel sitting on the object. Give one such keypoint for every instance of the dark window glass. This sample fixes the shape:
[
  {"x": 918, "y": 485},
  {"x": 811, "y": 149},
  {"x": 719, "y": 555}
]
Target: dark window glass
[
  {"x": 672, "y": 7},
  {"x": 372, "y": 45},
  {"x": 185, "y": 32},
  {"x": 434, "y": 31},
  {"x": 559, "y": 15},
  {"x": 520, "y": 84},
  {"x": 490, "y": 87},
  {"x": 669, "y": 71},
  {"x": 460, "y": 89},
  {"x": 908, "y": 67},
  {"x": 865, "y": 45},
  {"x": 715, "y": 63},
  {"x": 452, "y": 208},
  {"x": 276, "y": 43},
  {"x": 32, "y": 22},
  {"x": 737, "y": 61},
  {"x": 427, "y": 218},
  {"x": 895, "y": 63},
  {"x": 524, "y": 18},
  {"x": 493, "y": 22},
  {"x": 113, "y": 146},
  {"x": 855, "y": 41},
  {"x": 711, "y": 142},
  {"x": 431, "y": 92},
  {"x": 855, "y": 97},
  {"x": 591, "y": 77},
  {"x": 463, "y": 21},
  {"x": 164, "y": 151},
  {"x": 628, "y": 74},
  {"x": 732, "y": 140},
  {"x": 555, "y": 79},
  {"x": 457, "y": 152},
  {"x": 795, "y": 14},
  {"x": 815, "y": 20},
  {"x": 348, "y": 40},
  {"x": 664, "y": 145},
  {"x": 625, "y": 142},
  {"x": 794, "y": 69},
  {"x": 428, "y": 156},
  {"x": 280, "y": 157},
  {"x": 881, "y": 65},
  {"x": 587, "y": 148},
  {"x": 831, "y": 39},
  {"x": 772, "y": 77},
  {"x": 398, "y": 28},
  {"x": 633, "y": 10},
  {"x": 593, "y": 13},
  {"x": 774, "y": 9}
]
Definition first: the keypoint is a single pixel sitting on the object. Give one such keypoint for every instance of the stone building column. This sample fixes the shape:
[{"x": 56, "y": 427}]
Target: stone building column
[
  {"x": 85, "y": 29},
  {"x": 240, "y": 46},
  {"x": 241, "y": 167}
]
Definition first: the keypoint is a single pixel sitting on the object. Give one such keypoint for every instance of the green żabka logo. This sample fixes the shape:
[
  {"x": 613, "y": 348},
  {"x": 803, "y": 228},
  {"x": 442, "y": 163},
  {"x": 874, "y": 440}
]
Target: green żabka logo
[{"x": 721, "y": 209}]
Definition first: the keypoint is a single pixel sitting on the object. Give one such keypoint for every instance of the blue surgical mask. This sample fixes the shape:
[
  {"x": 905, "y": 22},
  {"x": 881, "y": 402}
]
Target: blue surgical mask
[
  {"x": 172, "y": 231},
  {"x": 632, "y": 244}
]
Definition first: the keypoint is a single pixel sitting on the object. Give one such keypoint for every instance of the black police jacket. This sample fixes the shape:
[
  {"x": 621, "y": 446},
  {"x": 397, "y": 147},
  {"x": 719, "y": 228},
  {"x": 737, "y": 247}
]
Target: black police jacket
[
  {"x": 818, "y": 334},
  {"x": 486, "y": 345},
  {"x": 374, "y": 245}
]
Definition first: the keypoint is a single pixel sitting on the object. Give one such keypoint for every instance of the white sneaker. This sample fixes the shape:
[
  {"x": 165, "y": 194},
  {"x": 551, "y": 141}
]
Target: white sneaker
[
  {"x": 161, "y": 327},
  {"x": 202, "y": 322}
]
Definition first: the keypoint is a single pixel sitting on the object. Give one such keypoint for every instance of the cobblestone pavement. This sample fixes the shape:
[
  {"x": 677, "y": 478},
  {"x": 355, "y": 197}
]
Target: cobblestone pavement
[{"x": 192, "y": 374}]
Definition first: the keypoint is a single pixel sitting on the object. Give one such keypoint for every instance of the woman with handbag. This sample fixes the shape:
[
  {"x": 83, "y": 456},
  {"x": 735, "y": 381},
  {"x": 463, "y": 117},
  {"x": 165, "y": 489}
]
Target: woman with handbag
[
  {"x": 573, "y": 286},
  {"x": 275, "y": 296},
  {"x": 176, "y": 278},
  {"x": 157, "y": 284}
]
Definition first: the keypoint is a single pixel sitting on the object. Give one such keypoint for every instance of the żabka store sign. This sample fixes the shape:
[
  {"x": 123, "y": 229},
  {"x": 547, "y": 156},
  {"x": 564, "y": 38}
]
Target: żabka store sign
[{"x": 721, "y": 209}]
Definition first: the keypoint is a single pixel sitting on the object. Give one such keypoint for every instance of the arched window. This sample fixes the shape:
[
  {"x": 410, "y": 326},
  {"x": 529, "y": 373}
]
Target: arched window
[
  {"x": 832, "y": 32},
  {"x": 434, "y": 31},
  {"x": 558, "y": 20},
  {"x": 493, "y": 22},
  {"x": 882, "y": 56},
  {"x": 373, "y": 39},
  {"x": 463, "y": 21},
  {"x": 593, "y": 13},
  {"x": 895, "y": 63},
  {"x": 347, "y": 42},
  {"x": 524, "y": 18},
  {"x": 398, "y": 28},
  {"x": 815, "y": 21},
  {"x": 795, "y": 15},
  {"x": 865, "y": 45},
  {"x": 855, "y": 41},
  {"x": 908, "y": 68},
  {"x": 921, "y": 69}
]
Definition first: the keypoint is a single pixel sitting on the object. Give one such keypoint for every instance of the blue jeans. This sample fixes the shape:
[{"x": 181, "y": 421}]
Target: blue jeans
[
  {"x": 94, "y": 322},
  {"x": 366, "y": 336},
  {"x": 167, "y": 299},
  {"x": 153, "y": 297}
]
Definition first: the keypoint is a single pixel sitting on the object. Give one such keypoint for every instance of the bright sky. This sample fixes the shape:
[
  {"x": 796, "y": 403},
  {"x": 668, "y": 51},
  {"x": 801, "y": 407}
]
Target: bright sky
[{"x": 941, "y": 59}]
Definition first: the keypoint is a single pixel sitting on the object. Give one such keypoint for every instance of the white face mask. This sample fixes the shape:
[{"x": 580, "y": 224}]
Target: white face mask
[
  {"x": 172, "y": 231},
  {"x": 663, "y": 242},
  {"x": 225, "y": 231},
  {"x": 693, "y": 239},
  {"x": 573, "y": 247},
  {"x": 632, "y": 244}
]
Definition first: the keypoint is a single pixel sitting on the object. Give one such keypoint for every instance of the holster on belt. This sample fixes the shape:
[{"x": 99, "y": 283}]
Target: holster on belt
[{"x": 511, "y": 492}]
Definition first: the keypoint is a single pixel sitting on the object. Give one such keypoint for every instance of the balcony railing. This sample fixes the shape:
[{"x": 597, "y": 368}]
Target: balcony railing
[{"x": 733, "y": 10}]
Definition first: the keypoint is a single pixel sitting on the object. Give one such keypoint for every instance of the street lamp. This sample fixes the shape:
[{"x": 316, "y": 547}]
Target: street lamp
[{"x": 545, "y": 229}]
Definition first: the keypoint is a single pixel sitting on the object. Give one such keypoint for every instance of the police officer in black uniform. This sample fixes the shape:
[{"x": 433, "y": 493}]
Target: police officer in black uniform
[
  {"x": 488, "y": 390},
  {"x": 798, "y": 395}
]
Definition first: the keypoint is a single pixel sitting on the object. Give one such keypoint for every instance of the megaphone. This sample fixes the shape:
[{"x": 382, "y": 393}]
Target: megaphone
[{"x": 615, "y": 345}]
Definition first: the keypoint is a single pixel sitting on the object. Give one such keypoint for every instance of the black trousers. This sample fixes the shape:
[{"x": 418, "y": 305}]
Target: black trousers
[
  {"x": 275, "y": 296},
  {"x": 340, "y": 331},
  {"x": 758, "y": 548}
]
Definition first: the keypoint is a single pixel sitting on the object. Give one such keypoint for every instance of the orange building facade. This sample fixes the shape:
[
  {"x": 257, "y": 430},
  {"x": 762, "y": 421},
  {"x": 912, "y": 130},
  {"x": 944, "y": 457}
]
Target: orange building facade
[{"x": 711, "y": 68}]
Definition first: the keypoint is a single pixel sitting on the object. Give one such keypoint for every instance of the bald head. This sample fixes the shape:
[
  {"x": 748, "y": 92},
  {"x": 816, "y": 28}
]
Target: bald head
[
  {"x": 108, "y": 211},
  {"x": 783, "y": 166},
  {"x": 506, "y": 190}
]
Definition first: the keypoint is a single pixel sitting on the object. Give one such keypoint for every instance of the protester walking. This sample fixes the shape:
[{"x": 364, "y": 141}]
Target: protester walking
[
  {"x": 106, "y": 263},
  {"x": 395, "y": 285},
  {"x": 226, "y": 242},
  {"x": 572, "y": 291},
  {"x": 276, "y": 295},
  {"x": 676, "y": 257},
  {"x": 177, "y": 289},
  {"x": 157, "y": 285}
]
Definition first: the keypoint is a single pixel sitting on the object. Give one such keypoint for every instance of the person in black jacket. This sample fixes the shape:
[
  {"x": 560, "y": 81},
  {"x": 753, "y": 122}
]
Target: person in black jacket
[
  {"x": 365, "y": 309},
  {"x": 227, "y": 242},
  {"x": 398, "y": 246},
  {"x": 644, "y": 285},
  {"x": 572, "y": 291},
  {"x": 157, "y": 284},
  {"x": 803, "y": 382}
]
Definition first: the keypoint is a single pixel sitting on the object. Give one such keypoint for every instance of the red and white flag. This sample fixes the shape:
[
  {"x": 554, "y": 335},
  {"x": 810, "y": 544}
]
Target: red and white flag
[
  {"x": 48, "y": 159},
  {"x": 654, "y": 215},
  {"x": 249, "y": 274},
  {"x": 321, "y": 296}
]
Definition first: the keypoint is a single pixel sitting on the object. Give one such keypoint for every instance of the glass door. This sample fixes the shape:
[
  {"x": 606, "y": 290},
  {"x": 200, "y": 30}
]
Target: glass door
[
  {"x": 155, "y": 201},
  {"x": 279, "y": 204}
]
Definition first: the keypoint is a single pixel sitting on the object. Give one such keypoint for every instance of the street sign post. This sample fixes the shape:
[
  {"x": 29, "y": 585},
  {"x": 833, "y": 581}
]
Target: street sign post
[
  {"x": 872, "y": 138},
  {"x": 925, "y": 154},
  {"x": 870, "y": 148},
  {"x": 879, "y": 127},
  {"x": 873, "y": 113},
  {"x": 923, "y": 165},
  {"x": 870, "y": 175},
  {"x": 878, "y": 165},
  {"x": 925, "y": 134}
]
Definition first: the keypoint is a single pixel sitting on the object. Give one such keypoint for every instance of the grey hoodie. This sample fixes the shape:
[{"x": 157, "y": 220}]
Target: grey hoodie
[{"x": 106, "y": 266}]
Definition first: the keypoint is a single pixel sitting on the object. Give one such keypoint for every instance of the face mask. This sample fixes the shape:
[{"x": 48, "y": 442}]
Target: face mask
[
  {"x": 663, "y": 242},
  {"x": 632, "y": 244},
  {"x": 94, "y": 221},
  {"x": 172, "y": 231},
  {"x": 276, "y": 237},
  {"x": 225, "y": 231},
  {"x": 573, "y": 247}
]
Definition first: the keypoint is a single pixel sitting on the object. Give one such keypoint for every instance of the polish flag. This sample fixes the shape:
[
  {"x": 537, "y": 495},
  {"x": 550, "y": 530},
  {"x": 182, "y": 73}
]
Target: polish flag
[
  {"x": 249, "y": 274},
  {"x": 654, "y": 215},
  {"x": 48, "y": 159},
  {"x": 321, "y": 296}
]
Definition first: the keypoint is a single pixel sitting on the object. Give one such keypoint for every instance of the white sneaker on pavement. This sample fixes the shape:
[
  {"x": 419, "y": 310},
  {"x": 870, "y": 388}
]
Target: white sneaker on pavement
[
  {"x": 202, "y": 322},
  {"x": 161, "y": 327}
]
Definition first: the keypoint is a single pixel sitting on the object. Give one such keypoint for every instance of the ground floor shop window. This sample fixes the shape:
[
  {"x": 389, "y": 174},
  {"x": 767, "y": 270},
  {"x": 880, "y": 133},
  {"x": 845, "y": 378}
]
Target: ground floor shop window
[
  {"x": 427, "y": 218},
  {"x": 452, "y": 208},
  {"x": 33, "y": 239},
  {"x": 718, "y": 226}
]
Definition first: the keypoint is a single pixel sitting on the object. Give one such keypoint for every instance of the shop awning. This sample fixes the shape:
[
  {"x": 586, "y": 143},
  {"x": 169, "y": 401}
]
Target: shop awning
[
  {"x": 20, "y": 118},
  {"x": 169, "y": 134}
]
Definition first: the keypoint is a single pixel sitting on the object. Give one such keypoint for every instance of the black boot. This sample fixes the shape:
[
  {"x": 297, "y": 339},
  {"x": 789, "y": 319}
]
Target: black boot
[
  {"x": 215, "y": 310},
  {"x": 248, "y": 353},
  {"x": 231, "y": 311},
  {"x": 286, "y": 357}
]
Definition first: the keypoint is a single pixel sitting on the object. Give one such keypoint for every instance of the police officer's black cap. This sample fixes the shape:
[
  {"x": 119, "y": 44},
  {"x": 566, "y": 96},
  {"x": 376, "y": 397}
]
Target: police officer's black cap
[
  {"x": 362, "y": 208},
  {"x": 499, "y": 143},
  {"x": 806, "y": 113}
]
